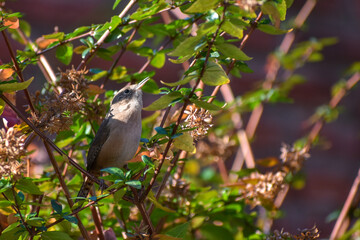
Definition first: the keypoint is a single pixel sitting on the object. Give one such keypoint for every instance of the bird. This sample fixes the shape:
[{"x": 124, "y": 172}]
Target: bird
[{"x": 118, "y": 136}]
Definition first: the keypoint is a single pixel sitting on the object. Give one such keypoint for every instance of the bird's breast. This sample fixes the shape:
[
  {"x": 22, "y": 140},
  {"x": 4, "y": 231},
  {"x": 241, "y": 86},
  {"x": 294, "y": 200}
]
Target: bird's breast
[{"x": 121, "y": 144}]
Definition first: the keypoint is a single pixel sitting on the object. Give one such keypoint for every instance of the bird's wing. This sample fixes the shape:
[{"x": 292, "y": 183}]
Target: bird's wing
[{"x": 95, "y": 147}]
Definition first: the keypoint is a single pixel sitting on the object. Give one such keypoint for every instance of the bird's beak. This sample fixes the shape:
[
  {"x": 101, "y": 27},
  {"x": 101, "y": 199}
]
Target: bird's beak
[{"x": 142, "y": 83}]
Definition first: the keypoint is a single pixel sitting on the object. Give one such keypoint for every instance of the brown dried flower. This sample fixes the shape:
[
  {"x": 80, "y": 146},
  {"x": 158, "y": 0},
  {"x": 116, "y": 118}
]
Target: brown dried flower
[
  {"x": 292, "y": 159},
  {"x": 308, "y": 234},
  {"x": 199, "y": 119},
  {"x": 279, "y": 235},
  {"x": 261, "y": 189},
  {"x": 215, "y": 147},
  {"x": 12, "y": 148},
  {"x": 305, "y": 234},
  {"x": 55, "y": 112},
  {"x": 72, "y": 79}
]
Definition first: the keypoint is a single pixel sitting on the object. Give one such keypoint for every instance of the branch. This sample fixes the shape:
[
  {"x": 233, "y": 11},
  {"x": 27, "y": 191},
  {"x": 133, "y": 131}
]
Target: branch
[
  {"x": 17, "y": 69},
  {"x": 186, "y": 102},
  {"x": 47, "y": 140},
  {"x": 345, "y": 210},
  {"x": 104, "y": 36},
  {"x": 274, "y": 64}
]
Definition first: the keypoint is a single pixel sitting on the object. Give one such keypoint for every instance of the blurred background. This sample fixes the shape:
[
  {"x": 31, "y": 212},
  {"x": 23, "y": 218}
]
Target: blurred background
[{"x": 331, "y": 168}]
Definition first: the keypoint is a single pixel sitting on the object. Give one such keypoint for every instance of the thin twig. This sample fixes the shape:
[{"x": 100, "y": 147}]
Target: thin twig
[
  {"x": 42, "y": 63},
  {"x": 46, "y": 139},
  {"x": 65, "y": 188},
  {"x": 17, "y": 69},
  {"x": 104, "y": 36},
  {"x": 345, "y": 210},
  {"x": 140, "y": 205},
  {"x": 186, "y": 102},
  {"x": 274, "y": 64}
]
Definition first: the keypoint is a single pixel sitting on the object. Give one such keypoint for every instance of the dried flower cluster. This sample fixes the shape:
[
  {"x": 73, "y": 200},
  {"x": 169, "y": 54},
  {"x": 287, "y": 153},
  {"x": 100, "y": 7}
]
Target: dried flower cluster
[
  {"x": 305, "y": 234},
  {"x": 55, "y": 112},
  {"x": 12, "y": 148},
  {"x": 292, "y": 159},
  {"x": 199, "y": 119},
  {"x": 215, "y": 147},
  {"x": 73, "y": 80},
  {"x": 261, "y": 189}
]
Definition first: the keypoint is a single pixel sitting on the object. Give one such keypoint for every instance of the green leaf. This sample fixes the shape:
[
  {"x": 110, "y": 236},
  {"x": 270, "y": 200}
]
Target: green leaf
[
  {"x": 147, "y": 161},
  {"x": 234, "y": 27},
  {"x": 135, "y": 44},
  {"x": 118, "y": 73},
  {"x": 276, "y": 10},
  {"x": 71, "y": 219},
  {"x": 134, "y": 183},
  {"x": 270, "y": 29},
  {"x": 27, "y": 185},
  {"x": 180, "y": 230},
  {"x": 213, "y": 232},
  {"x": 64, "y": 53},
  {"x": 114, "y": 23},
  {"x": 58, "y": 35},
  {"x": 114, "y": 171},
  {"x": 157, "y": 204},
  {"x": 119, "y": 194},
  {"x": 15, "y": 86},
  {"x": 161, "y": 130},
  {"x": 25, "y": 27},
  {"x": 36, "y": 221},
  {"x": 13, "y": 232},
  {"x": 56, "y": 206},
  {"x": 4, "y": 185},
  {"x": 2, "y": 106},
  {"x": 186, "y": 47},
  {"x": 158, "y": 60},
  {"x": 229, "y": 50},
  {"x": 145, "y": 12},
  {"x": 115, "y": 4},
  {"x": 163, "y": 101},
  {"x": 202, "y": 6},
  {"x": 205, "y": 105},
  {"x": 214, "y": 75},
  {"x": 183, "y": 81},
  {"x": 55, "y": 235},
  {"x": 185, "y": 142}
]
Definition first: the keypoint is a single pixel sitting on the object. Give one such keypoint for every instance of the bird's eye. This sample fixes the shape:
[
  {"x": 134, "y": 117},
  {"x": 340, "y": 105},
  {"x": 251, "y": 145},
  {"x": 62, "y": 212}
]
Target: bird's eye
[{"x": 126, "y": 91}]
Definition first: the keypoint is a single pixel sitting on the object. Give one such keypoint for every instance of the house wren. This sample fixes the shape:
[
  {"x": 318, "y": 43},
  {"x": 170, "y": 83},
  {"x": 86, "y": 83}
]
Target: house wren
[{"x": 118, "y": 136}]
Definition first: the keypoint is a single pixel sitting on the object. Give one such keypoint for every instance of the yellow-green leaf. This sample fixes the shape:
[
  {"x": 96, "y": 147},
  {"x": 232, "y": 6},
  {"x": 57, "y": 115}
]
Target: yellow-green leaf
[
  {"x": 205, "y": 105},
  {"x": 12, "y": 87},
  {"x": 229, "y": 50},
  {"x": 214, "y": 75},
  {"x": 2, "y": 106},
  {"x": 55, "y": 235},
  {"x": 186, "y": 47},
  {"x": 270, "y": 29},
  {"x": 157, "y": 204},
  {"x": 28, "y": 186},
  {"x": 202, "y": 6},
  {"x": 163, "y": 101},
  {"x": 158, "y": 60},
  {"x": 234, "y": 28},
  {"x": 64, "y": 53},
  {"x": 185, "y": 142}
]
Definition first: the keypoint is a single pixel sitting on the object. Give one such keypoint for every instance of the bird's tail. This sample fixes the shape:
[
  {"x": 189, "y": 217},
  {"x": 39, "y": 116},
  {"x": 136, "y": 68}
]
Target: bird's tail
[{"x": 85, "y": 189}]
